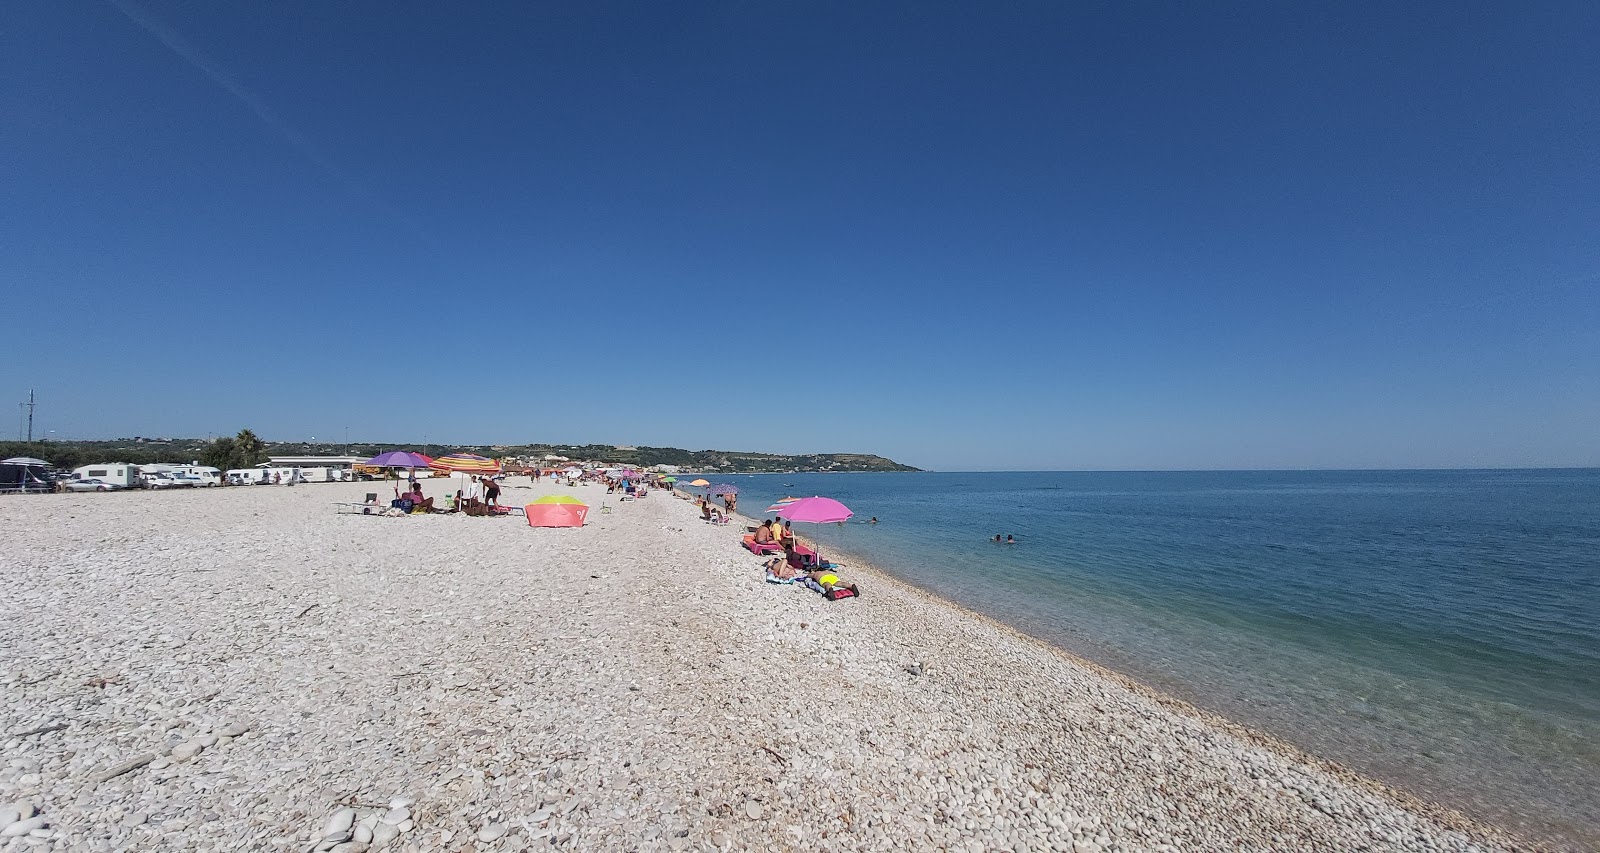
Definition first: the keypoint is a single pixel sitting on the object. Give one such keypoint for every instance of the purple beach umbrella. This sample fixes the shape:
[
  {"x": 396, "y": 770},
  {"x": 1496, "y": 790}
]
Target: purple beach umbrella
[{"x": 398, "y": 459}]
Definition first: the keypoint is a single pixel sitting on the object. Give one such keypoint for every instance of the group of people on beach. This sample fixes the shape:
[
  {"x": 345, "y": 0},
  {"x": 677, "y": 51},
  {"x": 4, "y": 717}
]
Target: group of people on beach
[
  {"x": 796, "y": 566},
  {"x": 709, "y": 511},
  {"x": 482, "y": 497}
]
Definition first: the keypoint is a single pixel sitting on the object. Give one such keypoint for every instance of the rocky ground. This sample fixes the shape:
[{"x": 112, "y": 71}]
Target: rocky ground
[{"x": 243, "y": 669}]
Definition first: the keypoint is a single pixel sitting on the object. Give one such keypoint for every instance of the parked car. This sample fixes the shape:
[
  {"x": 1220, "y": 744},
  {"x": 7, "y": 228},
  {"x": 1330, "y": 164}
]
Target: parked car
[
  {"x": 191, "y": 480},
  {"x": 161, "y": 481},
  {"x": 90, "y": 486}
]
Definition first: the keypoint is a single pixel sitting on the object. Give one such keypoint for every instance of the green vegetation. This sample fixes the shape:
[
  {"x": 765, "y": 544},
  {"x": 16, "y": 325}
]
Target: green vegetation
[
  {"x": 245, "y": 449},
  {"x": 242, "y": 451}
]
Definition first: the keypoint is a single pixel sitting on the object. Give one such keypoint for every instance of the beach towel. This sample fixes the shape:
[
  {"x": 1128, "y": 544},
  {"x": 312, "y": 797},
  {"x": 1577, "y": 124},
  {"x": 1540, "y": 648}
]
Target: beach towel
[{"x": 772, "y": 578}]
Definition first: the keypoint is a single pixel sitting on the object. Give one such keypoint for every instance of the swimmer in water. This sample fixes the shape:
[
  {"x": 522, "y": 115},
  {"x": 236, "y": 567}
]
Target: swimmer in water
[{"x": 1010, "y": 540}]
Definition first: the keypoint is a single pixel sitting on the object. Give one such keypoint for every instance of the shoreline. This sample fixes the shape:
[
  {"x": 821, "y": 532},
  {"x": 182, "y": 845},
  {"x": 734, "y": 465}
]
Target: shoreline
[
  {"x": 233, "y": 669},
  {"x": 1481, "y": 830}
]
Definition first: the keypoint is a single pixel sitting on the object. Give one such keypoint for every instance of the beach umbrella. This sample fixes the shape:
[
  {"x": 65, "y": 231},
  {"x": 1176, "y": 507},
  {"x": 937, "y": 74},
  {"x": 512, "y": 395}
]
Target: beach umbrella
[
  {"x": 815, "y": 510},
  {"x": 399, "y": 459},
  {"x": 778, "y": 505},
  {"x": 669, "y": 479},
  {"x": 465, "y": 463},
  {"x": 558, "y": 499},
  {"x": 723, "y": 489},
  {"x": 556, "y": 511},
  {"x": 699, "y": 483}
]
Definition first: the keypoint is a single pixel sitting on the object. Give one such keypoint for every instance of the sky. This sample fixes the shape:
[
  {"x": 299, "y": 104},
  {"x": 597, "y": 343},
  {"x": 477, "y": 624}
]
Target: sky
[{"x": 1030, "y": 235}]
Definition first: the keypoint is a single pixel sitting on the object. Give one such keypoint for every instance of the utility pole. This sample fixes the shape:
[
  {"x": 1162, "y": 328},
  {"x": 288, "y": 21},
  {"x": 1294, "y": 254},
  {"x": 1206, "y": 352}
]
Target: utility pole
[{"x": 29, "y": 406}]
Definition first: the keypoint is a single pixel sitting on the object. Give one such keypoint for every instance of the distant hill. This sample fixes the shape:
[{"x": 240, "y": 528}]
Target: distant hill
[{"x": 145, "y": 451}]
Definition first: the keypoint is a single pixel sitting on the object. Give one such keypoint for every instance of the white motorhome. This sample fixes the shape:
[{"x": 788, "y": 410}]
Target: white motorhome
[
  {"x": 119, "y": 474},
  {"x": 191, "y": 474},
  {"x": 249, "y": 477},
  {"x": 208, "y": 475}
]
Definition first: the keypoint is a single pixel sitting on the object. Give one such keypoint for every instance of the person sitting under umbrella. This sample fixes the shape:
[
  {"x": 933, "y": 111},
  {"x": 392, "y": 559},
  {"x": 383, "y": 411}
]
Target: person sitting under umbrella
[{"x": 418, "y": 501}]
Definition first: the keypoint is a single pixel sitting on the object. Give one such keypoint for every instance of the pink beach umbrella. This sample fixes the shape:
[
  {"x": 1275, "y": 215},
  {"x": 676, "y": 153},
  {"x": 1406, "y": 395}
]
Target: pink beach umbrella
[{"x": 816, "y": 510}]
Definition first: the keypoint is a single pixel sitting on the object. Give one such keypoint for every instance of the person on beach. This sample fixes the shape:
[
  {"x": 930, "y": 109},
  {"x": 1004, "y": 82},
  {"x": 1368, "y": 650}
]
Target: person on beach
[
  {"x": 763, "y": 535},
  {"x": 778, "y": 568},
  {"x": 786, "y": 537},
  {"x": 417, "y": 499},
  {"x": 491, "y": 492},
  {"x": 826, "y": 582}
]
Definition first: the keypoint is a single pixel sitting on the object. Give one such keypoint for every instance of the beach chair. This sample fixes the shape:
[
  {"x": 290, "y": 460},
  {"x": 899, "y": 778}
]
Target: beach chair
[
  {"x": 761, "y": 548},
  {"x": 802, "y": 557}
]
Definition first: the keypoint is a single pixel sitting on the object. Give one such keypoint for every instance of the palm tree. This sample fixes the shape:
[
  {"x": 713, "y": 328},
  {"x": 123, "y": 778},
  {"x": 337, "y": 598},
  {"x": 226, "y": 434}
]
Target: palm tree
[{"x": 250, "y": 450}]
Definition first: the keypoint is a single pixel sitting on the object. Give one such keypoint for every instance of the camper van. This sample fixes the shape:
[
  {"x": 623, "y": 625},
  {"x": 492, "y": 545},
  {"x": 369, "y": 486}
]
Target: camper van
[
  {"x": 207, "y": 475},
  {"x": 193, "y": 474},
  {"x": 120, "y": 475},
  {"x": 249, "y": 477}
]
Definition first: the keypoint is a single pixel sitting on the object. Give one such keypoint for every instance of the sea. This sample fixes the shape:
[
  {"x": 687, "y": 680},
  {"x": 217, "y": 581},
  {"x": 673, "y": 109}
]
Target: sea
[{"x": 1435, "y": 630}]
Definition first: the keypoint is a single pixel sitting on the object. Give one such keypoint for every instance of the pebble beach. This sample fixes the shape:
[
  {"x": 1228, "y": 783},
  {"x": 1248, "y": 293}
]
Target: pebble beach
[{"x": 244, "y": 669}]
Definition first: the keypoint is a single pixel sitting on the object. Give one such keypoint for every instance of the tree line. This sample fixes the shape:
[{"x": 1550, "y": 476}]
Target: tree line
[{"x": 239, "y": 451}]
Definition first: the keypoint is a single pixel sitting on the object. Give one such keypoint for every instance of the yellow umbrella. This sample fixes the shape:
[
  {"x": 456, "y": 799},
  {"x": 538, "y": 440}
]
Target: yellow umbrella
[
  {"x": 699, "y": 483},
  {"x": 559, "y": 499}
]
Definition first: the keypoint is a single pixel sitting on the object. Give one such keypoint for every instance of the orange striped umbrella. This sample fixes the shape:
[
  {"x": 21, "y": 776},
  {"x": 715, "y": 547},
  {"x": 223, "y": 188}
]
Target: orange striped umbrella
[{"x": 465, "y": 463}]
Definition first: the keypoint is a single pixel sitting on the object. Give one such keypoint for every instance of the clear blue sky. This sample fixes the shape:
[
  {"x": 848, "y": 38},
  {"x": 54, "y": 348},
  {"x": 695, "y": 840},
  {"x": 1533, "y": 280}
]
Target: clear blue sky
[{"x": 965, "y": 236}]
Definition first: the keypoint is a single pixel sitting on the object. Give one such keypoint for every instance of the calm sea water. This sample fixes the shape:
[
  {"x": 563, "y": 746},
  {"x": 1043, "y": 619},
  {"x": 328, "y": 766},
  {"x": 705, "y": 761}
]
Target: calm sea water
[{"x": 1439, "y": 630}]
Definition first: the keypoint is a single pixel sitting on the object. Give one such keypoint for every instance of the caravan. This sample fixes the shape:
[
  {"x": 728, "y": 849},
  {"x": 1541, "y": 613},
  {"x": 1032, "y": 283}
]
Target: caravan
[
  {"x": 160, "y": 476},
  {"x": 249, "y": 477},
  {"x": 120, "y": 475}
]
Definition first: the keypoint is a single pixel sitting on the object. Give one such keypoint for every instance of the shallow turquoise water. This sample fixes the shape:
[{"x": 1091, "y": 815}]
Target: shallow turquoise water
[{"x": 1435, "y": 629}]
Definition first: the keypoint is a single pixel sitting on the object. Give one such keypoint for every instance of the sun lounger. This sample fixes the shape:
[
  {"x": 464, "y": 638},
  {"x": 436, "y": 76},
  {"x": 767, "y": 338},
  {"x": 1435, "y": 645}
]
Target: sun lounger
[
  {"x": 803, "y": 557},
  {"x": 760, "y": 548},
  {"x": 353, "y": 508}
]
